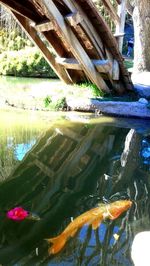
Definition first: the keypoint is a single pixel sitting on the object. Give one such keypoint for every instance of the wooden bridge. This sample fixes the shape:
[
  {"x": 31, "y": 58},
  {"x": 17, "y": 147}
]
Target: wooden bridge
[{"x": 85, "y": 47}]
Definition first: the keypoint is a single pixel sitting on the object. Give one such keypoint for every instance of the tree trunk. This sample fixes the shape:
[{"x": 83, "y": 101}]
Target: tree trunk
[{"x": 141, "y": 20}]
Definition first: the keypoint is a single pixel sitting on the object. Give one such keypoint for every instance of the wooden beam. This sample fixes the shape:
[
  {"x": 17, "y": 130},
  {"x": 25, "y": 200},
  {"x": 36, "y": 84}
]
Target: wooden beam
[
  {"x": 31, "y": 32},
  {"x": 20, "y": 9},
  {"x": 119, "y": 34},
  {"x": 121, "y": 24},
  {"x": 111, "y": 11},
  {"x": 74, "y": 19},
  {"x": 115, "y": 70},
  {"x": 102, "y": 66},
  {"x": 56, "y": 43},
  {"x": 87, "y": 27},
  {"x": 76, "y": 48},
  {"x": 69, "y": 63},
  {"x": 45, "y": 26},
  {"x": 107, "y": 37}
]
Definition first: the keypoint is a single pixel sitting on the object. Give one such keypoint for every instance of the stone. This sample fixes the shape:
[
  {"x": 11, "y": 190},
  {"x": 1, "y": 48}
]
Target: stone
[
  {"x": 125, "y": 109},
  {"x": 141, "y": 83},
  {"x": 143, "y": 101}
]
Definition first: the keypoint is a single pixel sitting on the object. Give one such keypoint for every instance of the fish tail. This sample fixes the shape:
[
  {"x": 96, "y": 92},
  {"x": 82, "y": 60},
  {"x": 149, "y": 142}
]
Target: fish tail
[{"x": 57, "y": 244}]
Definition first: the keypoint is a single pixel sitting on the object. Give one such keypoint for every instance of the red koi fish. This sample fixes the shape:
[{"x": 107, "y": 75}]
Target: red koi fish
[{"x": 92, "y": 217}]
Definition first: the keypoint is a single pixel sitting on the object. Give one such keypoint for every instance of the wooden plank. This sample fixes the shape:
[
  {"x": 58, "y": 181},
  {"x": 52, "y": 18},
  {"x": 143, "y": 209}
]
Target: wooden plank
[
  {"x": 121, "y": 24},
  {"x": 115, "y": 70},
  {"x": 31, "y": 32},
  {"x": 74, "y": 19},
  {"x": 45, "y": 26},
  {"x": 87, "y": 27},
  {"x": 20, "y": 9},
  {"x": 69, "y": 63},
  {"x": 111, "y": 11},
  {"x": 57, "y": 43},
  {"x": 102, "y": 66},
  {"x": 108, "y": 39},
  {"x": 119, "y": 34},
  {"x": 79, "y": 53}
]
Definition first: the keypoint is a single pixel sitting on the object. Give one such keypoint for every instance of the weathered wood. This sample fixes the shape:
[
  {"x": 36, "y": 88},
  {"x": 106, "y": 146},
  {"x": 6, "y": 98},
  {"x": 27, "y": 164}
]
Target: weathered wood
[
  {"x": 79, "y": 53},
  {"x": 115, "y": 70},
  {"x": 112, "y": 11},
  {"x": 31, "y": 32},
  {"x": 102, "y": 66},
  {"x": 119, "y": 34},
  {"x": 76, "y": 30},
  {"x": 120, "y": 25},
  {"x": 74, "y": 19},
  {"x": 45, "y": 26},
  {"x": 108, "y": 39},
  {"x": 69, "y": 63},
  {"x": 87, "y": 27},
  {"x": 20, "y": 9},
  {"x": 57, "y": 43}
]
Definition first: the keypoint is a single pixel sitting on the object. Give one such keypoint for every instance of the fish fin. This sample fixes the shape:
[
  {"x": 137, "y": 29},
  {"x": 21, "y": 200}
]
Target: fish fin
[
  {"x": 52, "y": 240},
  {"x": 57, "y": 244},
  {"x": 101, "y": 205},
  {"x": 74, "y": 232},
  {"x": 96, "y": 223}
]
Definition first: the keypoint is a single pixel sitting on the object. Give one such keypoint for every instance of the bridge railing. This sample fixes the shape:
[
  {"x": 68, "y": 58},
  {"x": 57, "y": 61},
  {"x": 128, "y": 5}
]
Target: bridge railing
[{"x": 113, "y": 12}]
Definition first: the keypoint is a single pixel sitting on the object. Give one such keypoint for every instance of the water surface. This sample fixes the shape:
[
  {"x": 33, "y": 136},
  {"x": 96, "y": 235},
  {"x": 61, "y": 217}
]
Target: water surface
[{"x": 58, "y": 170}]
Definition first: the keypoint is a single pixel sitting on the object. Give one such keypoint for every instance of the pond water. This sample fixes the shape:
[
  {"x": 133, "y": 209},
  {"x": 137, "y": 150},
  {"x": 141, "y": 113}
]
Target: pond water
[{"x": 58, "y": 170}]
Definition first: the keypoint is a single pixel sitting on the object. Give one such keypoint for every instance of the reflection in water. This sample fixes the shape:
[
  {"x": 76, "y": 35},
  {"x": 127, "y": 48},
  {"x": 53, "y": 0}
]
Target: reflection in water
[
  {"x": 18, "y": 133},
  {"x": 68, "y": 171},
  {"x": 22, "y": 148}
]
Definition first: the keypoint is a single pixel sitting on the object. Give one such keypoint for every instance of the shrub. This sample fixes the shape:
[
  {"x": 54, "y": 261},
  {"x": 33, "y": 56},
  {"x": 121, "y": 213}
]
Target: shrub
[
  {"x": 57, "y": 104},
  {"x": 28, "y": 62},
  {"x": 47, "y": 101}
]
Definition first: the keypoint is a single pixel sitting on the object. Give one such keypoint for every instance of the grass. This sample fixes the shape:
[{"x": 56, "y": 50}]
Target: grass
[{"x": 128, "y": 63}]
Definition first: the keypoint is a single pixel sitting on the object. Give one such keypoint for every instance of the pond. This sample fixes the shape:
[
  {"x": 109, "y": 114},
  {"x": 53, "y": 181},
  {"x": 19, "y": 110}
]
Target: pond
[{"x": 58, "y": 170}]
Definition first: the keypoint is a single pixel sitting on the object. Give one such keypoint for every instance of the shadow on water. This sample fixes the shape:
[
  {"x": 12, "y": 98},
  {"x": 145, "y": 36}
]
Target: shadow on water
[{"x": 69, "y": 170}]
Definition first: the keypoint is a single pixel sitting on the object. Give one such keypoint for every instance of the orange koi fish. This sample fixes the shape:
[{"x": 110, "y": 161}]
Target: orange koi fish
[{"x": 92, "y": 217}]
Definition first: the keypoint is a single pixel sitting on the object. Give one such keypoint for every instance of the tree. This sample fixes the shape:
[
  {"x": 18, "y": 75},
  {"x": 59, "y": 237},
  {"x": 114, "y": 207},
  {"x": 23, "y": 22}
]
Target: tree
[{"x": 140, "y": 11}]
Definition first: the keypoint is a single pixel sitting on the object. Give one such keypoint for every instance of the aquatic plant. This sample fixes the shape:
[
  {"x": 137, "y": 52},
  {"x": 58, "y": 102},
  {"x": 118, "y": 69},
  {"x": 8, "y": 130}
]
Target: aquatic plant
[{"x": 17, "y": 214}]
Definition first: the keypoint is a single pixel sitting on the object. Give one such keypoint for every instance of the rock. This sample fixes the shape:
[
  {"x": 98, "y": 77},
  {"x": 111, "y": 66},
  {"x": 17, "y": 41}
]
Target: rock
[
  {"x": 125, "y": 109},
  {"x": 143, "y": 101},
  {"x": 141, "y": 83}
]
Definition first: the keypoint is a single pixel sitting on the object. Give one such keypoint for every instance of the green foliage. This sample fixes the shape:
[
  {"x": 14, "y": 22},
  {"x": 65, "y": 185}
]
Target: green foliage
[
  {"x": 128, "y": 63},
  {"x": 13, "y": 40},
  {"x": 61, "y": 104},
  {"x": 25, "y": 63},
  {"x": 95, "y": 90},
  {"x": 47, "y": 101},
  {"x": 55, "y": 104}
]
